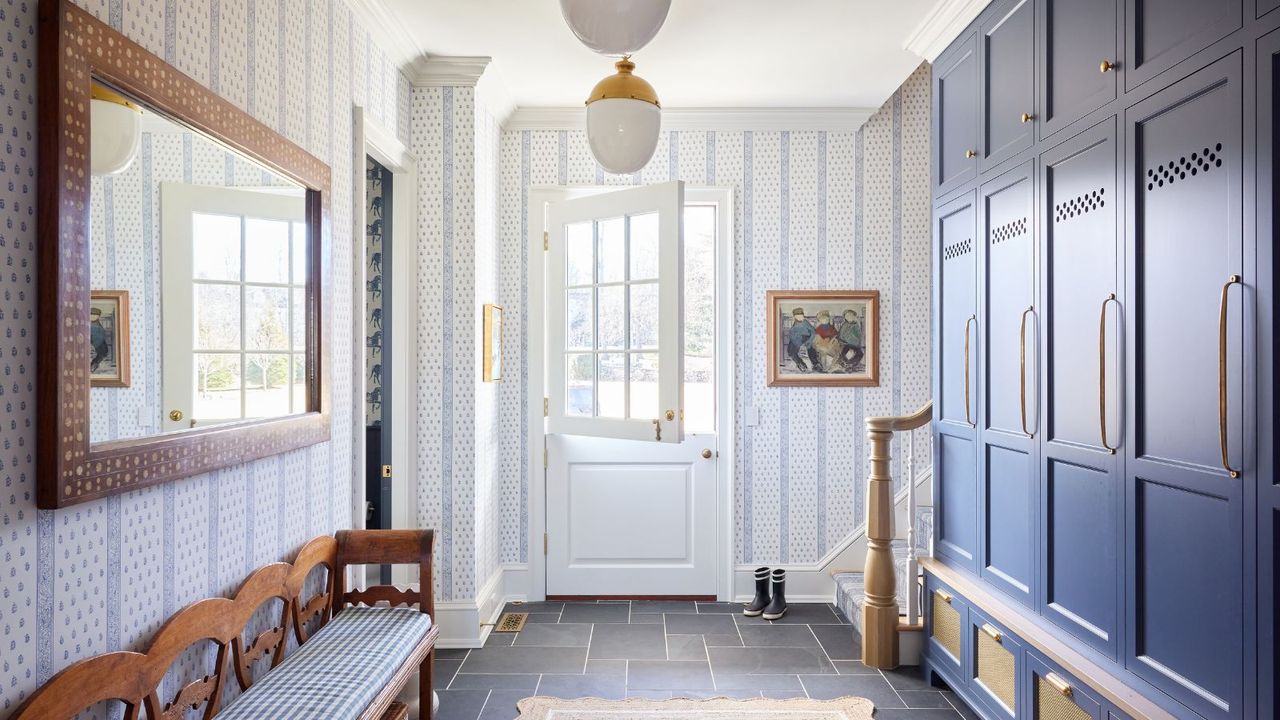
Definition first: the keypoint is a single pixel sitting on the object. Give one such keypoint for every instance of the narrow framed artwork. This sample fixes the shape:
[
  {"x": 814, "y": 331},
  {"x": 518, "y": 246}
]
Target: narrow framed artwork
[
  {"x": 109, "y": 338},
  {"x": 492, "y": 343},
  {"x": 823, "y": 338}
]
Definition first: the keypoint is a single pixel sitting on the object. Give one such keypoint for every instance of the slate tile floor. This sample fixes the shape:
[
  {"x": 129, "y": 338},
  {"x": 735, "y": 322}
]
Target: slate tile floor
[{"x": 675, "y": 649}]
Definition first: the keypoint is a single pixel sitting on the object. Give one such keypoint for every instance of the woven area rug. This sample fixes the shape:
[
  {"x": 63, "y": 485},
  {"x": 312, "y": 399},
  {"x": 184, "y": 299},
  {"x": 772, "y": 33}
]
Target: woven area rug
[{"x": 549, "y": 708}]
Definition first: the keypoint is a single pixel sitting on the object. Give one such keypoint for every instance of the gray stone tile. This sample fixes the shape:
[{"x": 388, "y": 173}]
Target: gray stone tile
[
  {"x": 777, "y": 636},
  {"x": 853, "y": 667},
  {"x": 595, "y": 613},
  {"x": 686, "y": 647},
  {"x": 892, "y": 714},
  {"x": 650, "y": 694},
  {"x": 924, "y": 699},
  {"x": 758, "y": 682},
  {"x": 663, "y": 606},
  {"x": 442, "y": 671},
  {"x": 769, "y": 661},
  {"x": 555, "y": 635},
  {"x": 497, "y": 639},
  {"x": 606, "y": 667},
  {"x": 460, "y": 704},
  {"x": 783, "y": 694},
  {"x": 691, "y": 624},
  {"x": 840, "y": 641},
  {"x": 542, "y": 618},
  {"x": 961, "y": 706},
  {"x": 628, "y": 642},
  {"x": 720, "y": 608},
  {"x": 520, "y": 659},
  {"x": 703, "y": 694},
  {"x": 669, "y": 675},
  {"x": 610, "y": 687},
  {"x": 798, "y": 614},
  {"x": 872, "y": 687},
  {"x": 502, "y": 705},
  {"x": 489, "y": 681},
  {"x": 714, "y": 640},
  {"x": 534, "y": 607},
  {"x": 646, "y": 618},
  {"x": 451, "y": 653},
  {"x": 907, "y": 677}
]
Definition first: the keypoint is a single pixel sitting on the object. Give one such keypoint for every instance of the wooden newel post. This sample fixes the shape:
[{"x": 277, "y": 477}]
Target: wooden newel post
[{"x": 880, "y": 609}]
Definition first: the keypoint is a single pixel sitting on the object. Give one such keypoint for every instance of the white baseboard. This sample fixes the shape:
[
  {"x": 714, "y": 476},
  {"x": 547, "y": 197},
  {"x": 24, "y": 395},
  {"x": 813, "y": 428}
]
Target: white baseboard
[{"x": 467, "y": 623}]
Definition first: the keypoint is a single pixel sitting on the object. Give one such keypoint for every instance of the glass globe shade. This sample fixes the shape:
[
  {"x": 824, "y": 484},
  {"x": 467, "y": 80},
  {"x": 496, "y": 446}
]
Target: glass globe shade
[
  {"x": 615, "y": 27},
  {"x": 623, "y": 133},
  {"x": 115, "y": 134}
]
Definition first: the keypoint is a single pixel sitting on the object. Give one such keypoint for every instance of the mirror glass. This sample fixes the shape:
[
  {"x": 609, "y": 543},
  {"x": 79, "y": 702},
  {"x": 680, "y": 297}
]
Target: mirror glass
[{"x": 198, "y": 263}]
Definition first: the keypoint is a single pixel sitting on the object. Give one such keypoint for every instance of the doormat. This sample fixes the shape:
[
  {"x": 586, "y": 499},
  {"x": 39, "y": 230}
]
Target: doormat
[
  {"x": 511, "y": 622},
  {"x": 549, "y": 708}
]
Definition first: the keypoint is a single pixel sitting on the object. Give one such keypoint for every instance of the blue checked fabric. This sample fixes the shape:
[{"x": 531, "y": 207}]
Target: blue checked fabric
[{"x": 339, "y": 671}]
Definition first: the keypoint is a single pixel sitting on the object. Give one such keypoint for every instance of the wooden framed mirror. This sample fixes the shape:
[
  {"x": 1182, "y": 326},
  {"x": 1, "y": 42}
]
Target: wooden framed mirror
[{"x": 184, "y": 257}]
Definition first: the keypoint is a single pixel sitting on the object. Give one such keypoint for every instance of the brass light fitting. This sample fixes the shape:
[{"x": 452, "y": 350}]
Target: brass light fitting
[{"x": 624, "y": 84}]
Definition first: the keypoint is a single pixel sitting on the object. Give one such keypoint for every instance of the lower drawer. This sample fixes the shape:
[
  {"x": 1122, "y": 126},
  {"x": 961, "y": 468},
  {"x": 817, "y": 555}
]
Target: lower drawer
[
  {"x": 1058, "y": 696},
  {"x": 995, "y": 660}
]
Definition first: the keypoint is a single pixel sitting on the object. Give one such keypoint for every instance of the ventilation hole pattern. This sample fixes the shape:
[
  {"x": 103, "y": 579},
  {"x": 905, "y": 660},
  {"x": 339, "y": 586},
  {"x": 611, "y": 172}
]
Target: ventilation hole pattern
[
  {"x": 955, "y": 250},
  {"x": 1200, "y": 161},
  {"x": 1009, "y": 230},
  {"x": 1080, "y": 205}
]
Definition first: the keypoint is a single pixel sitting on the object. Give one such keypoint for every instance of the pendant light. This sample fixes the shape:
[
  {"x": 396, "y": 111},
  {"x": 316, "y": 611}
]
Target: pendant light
[
  {"x": 115, "y": 131},
  {"x": 623, "y": 120},
  {"x": 615, "y": 27}
]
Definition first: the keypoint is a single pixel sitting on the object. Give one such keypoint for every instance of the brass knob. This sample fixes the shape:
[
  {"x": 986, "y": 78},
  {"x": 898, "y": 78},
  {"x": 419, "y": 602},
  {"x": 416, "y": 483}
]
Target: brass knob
[
  {"x": 670, "y": 416},
  {"x": 1105, "y": 66},
  {"x": 971, "y": 153},
  {"x": 175, "y": 415},
  {"x": 1027, "y": 117},
  {"x": 706, "y": 453}
]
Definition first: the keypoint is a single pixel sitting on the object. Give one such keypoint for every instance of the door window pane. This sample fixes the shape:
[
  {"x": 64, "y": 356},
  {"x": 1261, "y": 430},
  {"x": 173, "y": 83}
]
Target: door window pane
[
  {"x": 579, "y": 385},
  {"x": 217, "y": 395},
  {"x": 579, "y": 254},
  {"x": 613, "y": 317},
  {"x": 266, "y": 318},
  {"x": 700, "y": 317},
  {"x": 266, "y": 251},
  {"x": 217, "y": 317},
  {"x": 644, "y": 385},
  {"x": 613, "y": 385},
  {"x": 215, "y": 247},
  {"x": 644, "y": 316},
  {"x": 578, "y": 330},
  {"x": 613, "y": 250},
  {"x": 644, "y": 246}
]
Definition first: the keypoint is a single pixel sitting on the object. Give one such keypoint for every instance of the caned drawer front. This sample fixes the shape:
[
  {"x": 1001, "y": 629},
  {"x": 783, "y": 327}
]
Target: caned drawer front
[
  {"x": 947, "y": 617},
  {"x": 1058, "y": 696},
  {"x": 995, "y": 657},
  {"x": 946, "y": 622}
]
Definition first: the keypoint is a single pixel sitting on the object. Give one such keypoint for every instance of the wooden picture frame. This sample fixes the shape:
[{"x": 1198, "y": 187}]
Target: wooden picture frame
[
  {"x": 109, "y": 338},
  {"x": 75, "y": 49},
  {"x": 823, "y": 354},
  {"x": 492, "y": 350}
]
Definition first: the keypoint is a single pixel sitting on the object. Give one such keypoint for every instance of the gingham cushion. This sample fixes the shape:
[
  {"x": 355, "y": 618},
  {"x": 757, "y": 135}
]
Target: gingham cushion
[{"x": 339, "y": 671}]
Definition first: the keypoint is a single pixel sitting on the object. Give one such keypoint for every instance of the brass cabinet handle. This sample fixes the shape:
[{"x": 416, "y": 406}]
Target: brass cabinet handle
[
  {"x": 992, "y": 632},
  {"x": 970, "y": 154},
  {"x": 1106, "y": 66},
  {"x": 1222, "y": 375},
  {"x": 1022, "y": 371},
  {"x": 945, "y": 596},
  {"x": 1102, "y": 371},
  {"x": 968, "y": 418},
  {"x": 1028, "y": 117},
  {"x": 1058, "y": 684}
]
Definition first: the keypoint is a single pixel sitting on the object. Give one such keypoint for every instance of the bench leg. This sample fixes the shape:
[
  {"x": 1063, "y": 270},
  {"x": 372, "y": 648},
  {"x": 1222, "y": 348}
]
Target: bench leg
[{"x": 424, "y": 686}]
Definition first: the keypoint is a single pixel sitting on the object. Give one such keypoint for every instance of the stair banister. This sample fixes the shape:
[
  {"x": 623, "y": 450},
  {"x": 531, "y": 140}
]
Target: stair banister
[{"x": 880, "y": 610}]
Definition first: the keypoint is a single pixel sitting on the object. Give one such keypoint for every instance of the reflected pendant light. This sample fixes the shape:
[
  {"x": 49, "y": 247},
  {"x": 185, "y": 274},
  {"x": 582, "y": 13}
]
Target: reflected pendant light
[
  {"x": 115, "y": 131},
  {"x": 615, "y": 27},
  {"x": 623, "y": 120}
]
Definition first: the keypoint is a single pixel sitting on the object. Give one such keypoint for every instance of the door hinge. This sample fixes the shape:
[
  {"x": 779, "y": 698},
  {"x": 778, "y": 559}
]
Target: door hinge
[
  {"x": 546, "y": 241},
  {"x": 546, "y": 407},
  {"x": 386, "y": 471},
  {"x": 544, "y": 457},
  {"x": 544, "y": 543}
]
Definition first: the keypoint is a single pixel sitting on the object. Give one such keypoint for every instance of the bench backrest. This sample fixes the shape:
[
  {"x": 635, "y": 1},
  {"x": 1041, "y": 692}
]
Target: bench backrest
[
  {"x": 385, "y": 547},
  {"x": 134, "y": 678}
]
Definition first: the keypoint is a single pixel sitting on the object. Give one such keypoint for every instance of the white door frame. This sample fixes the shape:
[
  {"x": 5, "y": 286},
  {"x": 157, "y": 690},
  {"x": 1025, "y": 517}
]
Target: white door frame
[
  {"x": 374, "y": 141},
  {"x": 534, "y": 313}
]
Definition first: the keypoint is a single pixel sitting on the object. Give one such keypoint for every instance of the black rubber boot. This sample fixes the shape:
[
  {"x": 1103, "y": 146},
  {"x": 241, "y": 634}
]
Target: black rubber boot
[
  {"x": 778, "y": 605},
  {"x": 761, "y": 600}
]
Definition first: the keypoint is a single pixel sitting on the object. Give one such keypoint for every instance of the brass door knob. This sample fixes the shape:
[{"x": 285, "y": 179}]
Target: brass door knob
[
  {"x": 1027, "y": 117},
  {"x": 971, "y": 154},
  {"x": 670, "y": 416},
  {"x": 706, "y": 453},
  {"x": 175, "y": 415},
  {"x": 1105, "y": 66}
]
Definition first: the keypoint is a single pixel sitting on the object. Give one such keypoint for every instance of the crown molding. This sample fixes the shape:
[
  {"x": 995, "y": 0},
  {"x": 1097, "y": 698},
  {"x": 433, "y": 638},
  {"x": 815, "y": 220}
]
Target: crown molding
[
  {"x": 392, "y": 35},
  {"x": 703, "y": 119},
  {"x": 942, "y": 24},
  {"x": 444, "y": 70}
]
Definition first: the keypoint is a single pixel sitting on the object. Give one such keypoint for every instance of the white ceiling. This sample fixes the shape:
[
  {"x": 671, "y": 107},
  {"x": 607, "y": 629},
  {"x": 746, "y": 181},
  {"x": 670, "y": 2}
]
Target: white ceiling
[{"x": 710, "y": 53}]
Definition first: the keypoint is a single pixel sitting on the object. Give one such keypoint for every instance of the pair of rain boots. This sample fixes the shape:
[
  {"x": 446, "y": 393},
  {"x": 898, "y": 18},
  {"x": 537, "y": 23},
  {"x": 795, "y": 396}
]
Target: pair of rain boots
[{"x": 771, "y": 606}]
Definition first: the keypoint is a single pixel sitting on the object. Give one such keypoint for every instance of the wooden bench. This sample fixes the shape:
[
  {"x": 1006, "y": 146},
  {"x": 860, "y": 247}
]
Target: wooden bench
[{"x": 337, "y": 631}]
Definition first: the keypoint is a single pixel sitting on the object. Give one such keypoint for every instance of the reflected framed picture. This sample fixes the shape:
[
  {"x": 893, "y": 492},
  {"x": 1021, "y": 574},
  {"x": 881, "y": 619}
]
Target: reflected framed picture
[
  {"x": 823, "y": 338},
  {"x": 109, "y": 338},
  {"x": 492, "y": 343}
]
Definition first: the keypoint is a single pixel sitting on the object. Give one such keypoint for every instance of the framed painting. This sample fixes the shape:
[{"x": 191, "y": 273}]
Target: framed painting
[
  {"x": 492, "y": 343},
  {"x": 109, "y": 338},
  {"x": 823, "y": 338}
]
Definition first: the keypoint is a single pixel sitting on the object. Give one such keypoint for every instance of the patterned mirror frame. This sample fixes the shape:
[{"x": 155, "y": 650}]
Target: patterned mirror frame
[{"x": 75, "y": 48}]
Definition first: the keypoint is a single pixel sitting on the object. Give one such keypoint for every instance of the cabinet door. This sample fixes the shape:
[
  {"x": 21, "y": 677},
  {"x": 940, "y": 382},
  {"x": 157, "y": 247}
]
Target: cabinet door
[
  {"x": 955, "y": 365},
  {"x": 1008, "y": 98},
  {"x": 1185, "y": 614},
  {"x": 955, "y": 116},
  {"x": 1076, "y": 38},
  {"x": 945, "y": 618},
  {"x": 994, "y": 659},
  {"x": 1081, "y": 491},
  {"x": 1010, "y": 406},
  {"x": 1162, "y": 33}
]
